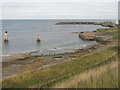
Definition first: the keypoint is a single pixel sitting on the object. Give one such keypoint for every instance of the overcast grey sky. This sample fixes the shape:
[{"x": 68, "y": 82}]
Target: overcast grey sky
[{"x": 49, "y": 9}]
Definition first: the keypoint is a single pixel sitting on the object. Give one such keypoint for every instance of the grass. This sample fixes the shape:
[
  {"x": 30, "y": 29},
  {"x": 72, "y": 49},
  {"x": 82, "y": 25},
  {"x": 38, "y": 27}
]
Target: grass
[
  {"x": 107, "y": 29},
  {"x": 107, "y": 22},
  {"x": 42, "y": 76},
  {"x": 114, "y": 31},
  {"x": 105, "y": 76},
  {"x": 116, "y": 36}
]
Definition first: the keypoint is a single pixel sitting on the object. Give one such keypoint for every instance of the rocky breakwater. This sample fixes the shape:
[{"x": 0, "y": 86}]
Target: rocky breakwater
[
  {"x": 104, "y": 24},
  {"x": 100, "y": 37},
  {"x": 59, "y": 23}
]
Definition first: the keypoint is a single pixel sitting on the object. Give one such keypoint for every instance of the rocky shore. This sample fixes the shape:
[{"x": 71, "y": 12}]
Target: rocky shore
[
  {"x": 100, "y": 37},
  {"x": 22, "y": 63}
]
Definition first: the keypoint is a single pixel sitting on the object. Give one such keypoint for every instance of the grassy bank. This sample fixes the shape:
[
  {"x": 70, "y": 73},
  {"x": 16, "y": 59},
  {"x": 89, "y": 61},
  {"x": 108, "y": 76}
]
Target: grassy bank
[
  {"x": 105, "y": 76},
  {"x": 42, "y": 76},
  {"x": 113, "y": 31},
  {"x": 107, "y": 29}
]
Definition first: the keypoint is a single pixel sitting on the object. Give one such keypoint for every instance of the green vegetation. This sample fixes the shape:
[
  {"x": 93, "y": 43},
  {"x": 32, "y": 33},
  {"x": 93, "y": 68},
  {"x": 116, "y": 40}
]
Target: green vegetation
[
  {"x": 114, "y": 32},
  {"x": 107, "y": 29},
  {"x": 105, "y": 76},
  {"x": 116, "y": 36},
  {"x": 45, "y": 75},
  {"x": 109, "y": 22},
  {"x": 42, "y": 76}
]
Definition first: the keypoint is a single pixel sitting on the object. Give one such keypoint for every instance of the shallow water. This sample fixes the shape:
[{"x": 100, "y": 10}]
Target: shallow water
[{"x": 54, "y": 38}]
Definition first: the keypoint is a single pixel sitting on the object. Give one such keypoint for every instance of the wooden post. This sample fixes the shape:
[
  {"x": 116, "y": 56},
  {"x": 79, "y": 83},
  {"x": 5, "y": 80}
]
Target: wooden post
[
  {"x": 6, "y": 37},
  {"x": 38, "y": 37}
]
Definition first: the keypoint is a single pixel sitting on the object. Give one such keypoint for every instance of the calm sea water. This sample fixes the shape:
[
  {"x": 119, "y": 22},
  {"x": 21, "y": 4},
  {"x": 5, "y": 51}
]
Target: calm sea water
[{"x": 54, "y": 38}]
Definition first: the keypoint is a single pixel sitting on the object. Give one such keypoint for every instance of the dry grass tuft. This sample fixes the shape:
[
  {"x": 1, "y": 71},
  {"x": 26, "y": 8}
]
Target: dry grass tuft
[{"x": 102, "y": 77}]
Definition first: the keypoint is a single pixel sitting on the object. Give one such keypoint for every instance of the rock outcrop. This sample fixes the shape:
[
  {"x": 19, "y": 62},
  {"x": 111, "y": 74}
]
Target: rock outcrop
[{"x": 95, "y": 36}]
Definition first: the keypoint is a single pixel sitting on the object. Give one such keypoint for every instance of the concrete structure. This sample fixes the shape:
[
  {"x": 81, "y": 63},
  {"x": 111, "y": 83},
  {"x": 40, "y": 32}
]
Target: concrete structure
[
  {"x": 6, "y": 36},
  {"x": 38, "y": 37}
]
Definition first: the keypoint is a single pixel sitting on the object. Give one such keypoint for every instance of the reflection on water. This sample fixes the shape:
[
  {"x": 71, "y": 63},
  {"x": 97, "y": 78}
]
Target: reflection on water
[
  {"x": 6, "y": 44},
  {"x": 38, "y": 43}
]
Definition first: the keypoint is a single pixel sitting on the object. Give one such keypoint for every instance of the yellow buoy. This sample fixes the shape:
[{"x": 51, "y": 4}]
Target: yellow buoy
[
  {"x": 6, "y": 37},
  {"x": 38, "y": 37}
]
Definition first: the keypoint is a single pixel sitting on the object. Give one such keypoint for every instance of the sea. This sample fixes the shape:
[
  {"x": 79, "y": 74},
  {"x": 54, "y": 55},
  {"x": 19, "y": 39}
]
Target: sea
[{"x": 54, "y": 38}]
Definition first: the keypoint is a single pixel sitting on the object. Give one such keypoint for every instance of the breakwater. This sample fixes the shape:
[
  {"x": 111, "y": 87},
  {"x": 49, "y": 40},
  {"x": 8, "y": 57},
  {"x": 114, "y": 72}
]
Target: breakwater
[
  {"x": 104, "y": 24},
  {"x": 77, "y": 23}
]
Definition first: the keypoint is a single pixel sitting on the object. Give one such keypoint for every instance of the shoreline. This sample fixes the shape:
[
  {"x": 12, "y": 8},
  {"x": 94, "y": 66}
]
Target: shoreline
[
  {"x": 58, "y": 67},
  {"x": 25, "y": 62},
  {"x": 47, "y": 61},
  {"x": 103, "y": 24},
  {"x": 28, "y": 53},
  {"x": 98, "y": 48}
]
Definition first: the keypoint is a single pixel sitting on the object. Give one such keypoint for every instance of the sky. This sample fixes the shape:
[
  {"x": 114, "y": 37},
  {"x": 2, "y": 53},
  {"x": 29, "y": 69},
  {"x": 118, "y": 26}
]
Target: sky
[{"x": 59, "y": 9}]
